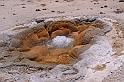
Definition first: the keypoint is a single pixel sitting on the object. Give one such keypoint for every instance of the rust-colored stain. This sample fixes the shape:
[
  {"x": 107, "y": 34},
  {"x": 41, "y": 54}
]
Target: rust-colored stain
[
  {"x": 50, "y": 55},
  {"x": 100, "y": 67}
]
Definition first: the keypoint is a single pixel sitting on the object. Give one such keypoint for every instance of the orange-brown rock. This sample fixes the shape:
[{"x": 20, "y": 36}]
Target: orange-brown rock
[
  {"x": 58, "y": 56},
  {"x": 82, "y": 27},
  {"x": 34, "y": 38},
  {"x": 79, "y": 39},
  {"x": 64, "y": 59},
  {"x": 75, "y": 35},
  {"x": 62, "y": 32},
  {"x": 85, "y": 36},
  {"x": 37, "y": 53},
  {"x": 76, "y": 51},
  {"x": 27, "y": 42},
  {"x": 82, "y": 35},
  {"x": 43, "y": 35},
  {"x": 61, "y": 24},
  {"x": 53, "y": 56}
]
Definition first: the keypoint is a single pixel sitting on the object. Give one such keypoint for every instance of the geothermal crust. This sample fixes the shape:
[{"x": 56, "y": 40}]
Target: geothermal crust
[{"x": 90, "y": 54}]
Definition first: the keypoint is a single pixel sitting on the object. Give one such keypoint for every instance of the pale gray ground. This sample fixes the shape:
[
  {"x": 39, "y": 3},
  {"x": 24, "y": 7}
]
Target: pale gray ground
[{"x": 14, "y": 12}]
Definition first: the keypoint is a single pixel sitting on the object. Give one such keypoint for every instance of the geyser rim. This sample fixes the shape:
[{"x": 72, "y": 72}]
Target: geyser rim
[
  {"x": 105, "y": 19},
  {"x": 7, "y": 35}
]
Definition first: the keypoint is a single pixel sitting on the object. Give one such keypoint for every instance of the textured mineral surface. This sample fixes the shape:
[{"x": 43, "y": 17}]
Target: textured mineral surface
[{"x": 62, "y": 49}]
